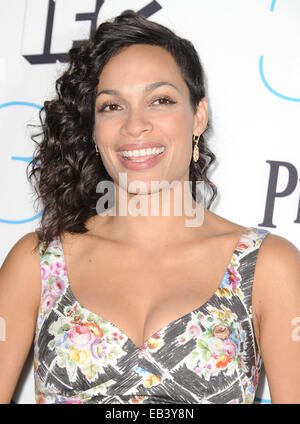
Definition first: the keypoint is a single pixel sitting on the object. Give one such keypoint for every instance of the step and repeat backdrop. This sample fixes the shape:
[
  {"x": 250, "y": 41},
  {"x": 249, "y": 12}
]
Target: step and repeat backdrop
[{"x": 250, "y": 53}]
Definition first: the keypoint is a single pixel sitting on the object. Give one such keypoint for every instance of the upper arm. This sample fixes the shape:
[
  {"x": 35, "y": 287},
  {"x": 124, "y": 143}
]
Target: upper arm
[
  {"x": 279, "y": 330},
  {"x": 19, "y": 302}
]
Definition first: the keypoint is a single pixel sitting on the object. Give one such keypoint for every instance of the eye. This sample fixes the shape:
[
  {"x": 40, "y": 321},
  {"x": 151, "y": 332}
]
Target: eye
[
  {"x": 104, "y": 106},
  {"x": 164, "y": 100}
]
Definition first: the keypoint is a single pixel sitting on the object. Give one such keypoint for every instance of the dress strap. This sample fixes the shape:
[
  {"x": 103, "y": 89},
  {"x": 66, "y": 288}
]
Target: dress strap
[{"x": 246, "y": 255}]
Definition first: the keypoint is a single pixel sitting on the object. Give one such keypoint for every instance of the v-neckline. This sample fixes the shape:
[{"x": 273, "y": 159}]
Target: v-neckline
[{"x": 164, "y": 327}]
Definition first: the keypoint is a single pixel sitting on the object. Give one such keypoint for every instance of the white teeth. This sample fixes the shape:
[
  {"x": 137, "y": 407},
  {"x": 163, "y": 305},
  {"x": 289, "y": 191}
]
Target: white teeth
[{"x": 142, "y": 152}]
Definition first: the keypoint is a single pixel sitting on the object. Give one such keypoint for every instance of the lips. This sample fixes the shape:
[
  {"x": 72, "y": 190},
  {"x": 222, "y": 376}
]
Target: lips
[
  {"x": 148, "y": 163},
  {"x": 138, "y": 146}
]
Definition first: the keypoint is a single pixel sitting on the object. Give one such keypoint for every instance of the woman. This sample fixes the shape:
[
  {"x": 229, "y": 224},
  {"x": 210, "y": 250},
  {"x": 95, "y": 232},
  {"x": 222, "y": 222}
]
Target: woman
[{"x": 142, "y": 308}]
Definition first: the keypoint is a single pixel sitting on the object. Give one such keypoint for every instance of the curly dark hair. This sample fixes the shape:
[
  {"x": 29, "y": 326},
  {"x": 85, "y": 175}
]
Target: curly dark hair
[{"x": 64, "y": 164}]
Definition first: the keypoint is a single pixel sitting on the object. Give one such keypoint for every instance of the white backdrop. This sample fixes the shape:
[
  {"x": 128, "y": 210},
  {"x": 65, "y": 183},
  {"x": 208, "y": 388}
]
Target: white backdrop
[{"x": 250, "y": 54}]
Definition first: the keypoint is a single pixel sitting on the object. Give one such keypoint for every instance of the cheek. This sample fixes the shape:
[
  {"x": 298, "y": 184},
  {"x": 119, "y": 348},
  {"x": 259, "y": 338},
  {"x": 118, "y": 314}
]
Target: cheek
[
  {"x": 178, "y": 133},
  {"x": 104, "y": 133},
  {"x": 177, "y": 123},
  {"x": 103, "y": 137},
  {"x": 178, "y": 130}
]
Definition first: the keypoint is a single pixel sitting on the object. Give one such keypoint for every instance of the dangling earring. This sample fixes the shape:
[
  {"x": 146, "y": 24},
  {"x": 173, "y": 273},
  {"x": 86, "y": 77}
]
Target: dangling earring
[
  {"x": 196, "y": 148},
  {"x": 97, "y": 151}
]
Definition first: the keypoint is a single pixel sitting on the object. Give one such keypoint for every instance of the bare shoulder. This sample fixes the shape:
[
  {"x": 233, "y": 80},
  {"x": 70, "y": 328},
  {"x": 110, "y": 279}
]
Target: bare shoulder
[
  {"x": 25, "y": 247},
  {"x": 277, "y": 289},
  {"x": 277, "y": 271},
  {"x": 20, "y": 290},
  {"x": 21, "y": 267},
  {"x": 219, "y": 225},
  {"x": 224, "y": 233},
  {"x": 277, "y": 255}
]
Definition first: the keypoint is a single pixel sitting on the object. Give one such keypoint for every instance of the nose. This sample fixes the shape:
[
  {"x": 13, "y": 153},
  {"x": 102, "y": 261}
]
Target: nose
[{"x": 136, "y": 123}]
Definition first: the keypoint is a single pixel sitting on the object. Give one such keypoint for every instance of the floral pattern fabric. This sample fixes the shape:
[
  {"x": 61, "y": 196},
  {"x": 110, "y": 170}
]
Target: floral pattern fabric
[{"x": 209, "y": 355}]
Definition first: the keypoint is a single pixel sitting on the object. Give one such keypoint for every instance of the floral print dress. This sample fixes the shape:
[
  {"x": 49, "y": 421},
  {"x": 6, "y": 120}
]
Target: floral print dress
[{"x": 209, "y": 355}]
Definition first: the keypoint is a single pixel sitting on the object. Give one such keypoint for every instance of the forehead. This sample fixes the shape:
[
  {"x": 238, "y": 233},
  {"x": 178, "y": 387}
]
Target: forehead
[{"x": 140, "y": 64}]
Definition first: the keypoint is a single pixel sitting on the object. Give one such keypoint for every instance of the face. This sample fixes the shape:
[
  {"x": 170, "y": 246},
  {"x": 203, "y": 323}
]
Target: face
[{"x": 143, "y": 103}]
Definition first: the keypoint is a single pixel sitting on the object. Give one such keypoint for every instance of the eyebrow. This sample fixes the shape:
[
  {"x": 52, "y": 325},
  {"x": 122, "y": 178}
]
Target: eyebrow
[{"x": 146, "y": 89}]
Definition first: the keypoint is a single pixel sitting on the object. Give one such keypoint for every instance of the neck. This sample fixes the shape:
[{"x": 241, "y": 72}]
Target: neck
[{"x": 161, "y": 217}]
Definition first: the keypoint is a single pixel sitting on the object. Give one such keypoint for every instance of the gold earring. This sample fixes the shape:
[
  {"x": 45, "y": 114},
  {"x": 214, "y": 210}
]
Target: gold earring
[
  {"x": 196, "y": 148},
  {"x": 97, "y": 151}
]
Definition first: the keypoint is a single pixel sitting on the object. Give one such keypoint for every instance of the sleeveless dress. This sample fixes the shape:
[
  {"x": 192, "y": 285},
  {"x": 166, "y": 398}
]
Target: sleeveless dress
[{"x": 210, "y": 355}]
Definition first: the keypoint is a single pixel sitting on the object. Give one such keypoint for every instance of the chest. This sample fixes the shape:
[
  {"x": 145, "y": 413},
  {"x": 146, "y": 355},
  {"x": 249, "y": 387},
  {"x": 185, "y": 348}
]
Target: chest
[{"x": 141, "y": 291}]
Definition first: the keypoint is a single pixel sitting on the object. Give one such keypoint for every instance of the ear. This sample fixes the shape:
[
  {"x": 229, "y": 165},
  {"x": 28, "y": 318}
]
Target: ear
[{"x": 201, "y": 117}]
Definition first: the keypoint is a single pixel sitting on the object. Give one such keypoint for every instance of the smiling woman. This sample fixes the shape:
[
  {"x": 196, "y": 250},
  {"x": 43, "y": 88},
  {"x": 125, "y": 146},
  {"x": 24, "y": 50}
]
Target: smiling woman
[
  {"x": 139, "y": 307},
  {"x": 149, "y": 114},
  {"x": 123, "y": 73}
]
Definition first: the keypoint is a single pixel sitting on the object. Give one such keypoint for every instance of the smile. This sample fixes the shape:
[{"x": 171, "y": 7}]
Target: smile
[
  {"x": 141, "y": 155},
  {"x": 141, "y": 159}
]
